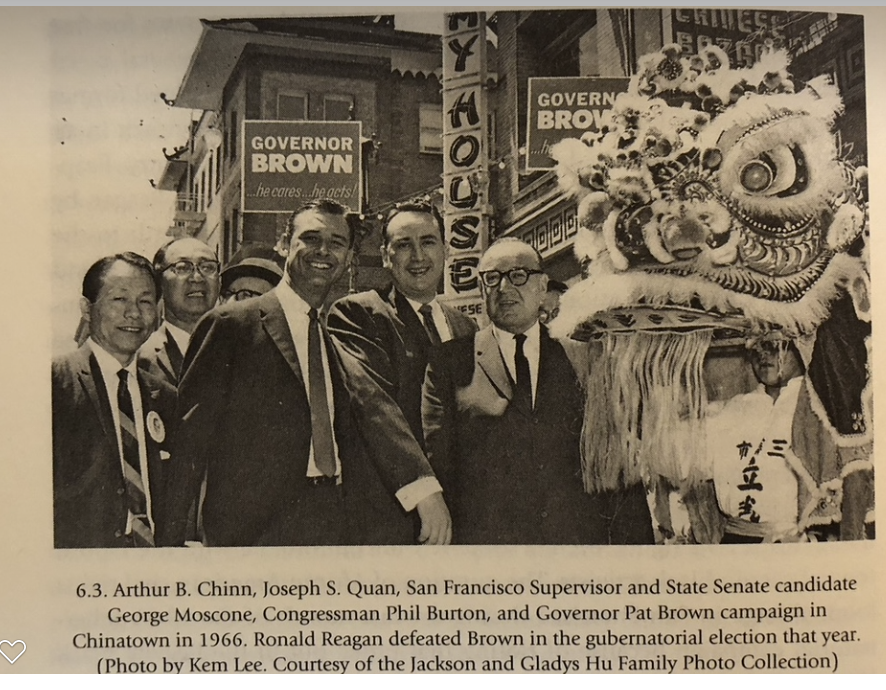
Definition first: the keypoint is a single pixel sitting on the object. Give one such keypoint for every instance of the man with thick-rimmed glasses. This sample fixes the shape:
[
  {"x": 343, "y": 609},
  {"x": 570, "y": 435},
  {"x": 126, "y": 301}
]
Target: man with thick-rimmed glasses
[
  {"x": 190, "y": 284},
  {"x": 502, "y": 414}
]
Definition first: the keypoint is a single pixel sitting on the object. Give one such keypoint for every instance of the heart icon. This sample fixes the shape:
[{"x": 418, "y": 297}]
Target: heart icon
[{"x": 11, "y": 646}]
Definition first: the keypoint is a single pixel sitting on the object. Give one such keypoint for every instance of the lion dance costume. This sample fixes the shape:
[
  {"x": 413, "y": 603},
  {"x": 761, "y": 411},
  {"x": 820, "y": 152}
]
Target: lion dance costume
[{"x": 714, "y": 210}]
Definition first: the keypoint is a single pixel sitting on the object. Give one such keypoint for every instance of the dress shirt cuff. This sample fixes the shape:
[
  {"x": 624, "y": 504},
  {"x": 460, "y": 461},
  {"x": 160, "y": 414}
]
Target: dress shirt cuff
[{"x": 413, "y": 494}]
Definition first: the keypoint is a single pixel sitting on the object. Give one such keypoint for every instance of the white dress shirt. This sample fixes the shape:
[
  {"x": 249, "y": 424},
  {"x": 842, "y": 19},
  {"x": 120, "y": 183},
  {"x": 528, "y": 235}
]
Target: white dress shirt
[
  {"x": 436, "y": 314},
  {"x": 179, "y": 335},
  {"x": 531, "y": 350},
  {"x": 109, "y": 366},
  {"x": 295, "y": 309}
]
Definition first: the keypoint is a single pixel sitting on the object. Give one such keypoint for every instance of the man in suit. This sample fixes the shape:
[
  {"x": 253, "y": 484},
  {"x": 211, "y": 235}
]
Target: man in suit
[
  {"x": 255, "y": 398},
  {"x": 502, "y": 415},
  {"x": 189, "y": 283},
  {"x": 392, "y": 331},
  {"x": 111, "y": 421}
]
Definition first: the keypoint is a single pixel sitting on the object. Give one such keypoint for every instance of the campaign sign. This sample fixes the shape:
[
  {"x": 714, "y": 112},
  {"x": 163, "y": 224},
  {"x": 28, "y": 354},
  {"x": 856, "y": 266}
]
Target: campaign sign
[
  {"x": 287, "y": 163},
  {"x": 565, "y": 108}
]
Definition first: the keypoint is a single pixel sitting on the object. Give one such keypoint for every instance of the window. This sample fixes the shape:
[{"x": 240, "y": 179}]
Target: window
[
  {"x": 216, "y": 157},
  {"x": 210, "y": 176},
  {"x": 233, "y": 136},
  {"x": 338, "y": 106},
  {"x": 292, "y": 105},
  {"x": 430, "y": 122}
]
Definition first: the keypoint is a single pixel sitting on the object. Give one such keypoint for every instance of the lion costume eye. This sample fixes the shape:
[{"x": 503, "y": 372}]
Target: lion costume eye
[{"x": 779, "y": 172}]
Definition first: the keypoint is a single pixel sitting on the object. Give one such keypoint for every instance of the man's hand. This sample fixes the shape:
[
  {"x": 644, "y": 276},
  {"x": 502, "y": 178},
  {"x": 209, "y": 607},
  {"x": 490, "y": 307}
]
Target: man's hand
[{"x": 436, "y": 525}]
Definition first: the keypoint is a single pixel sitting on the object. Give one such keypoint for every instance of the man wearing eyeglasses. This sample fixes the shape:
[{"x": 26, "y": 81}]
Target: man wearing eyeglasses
[
  {"x": 190, "y": 285},
  {"x": 502, "y": 414},
  {"x": 252, "y": 271}
]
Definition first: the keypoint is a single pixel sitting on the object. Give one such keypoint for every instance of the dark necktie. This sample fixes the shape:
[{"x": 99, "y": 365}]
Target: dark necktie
[
  {"x": 427, "y": 316},
  {"x": 137, "y": 502},
  {"x": 175, "y": 355},
  {"x": 321, "y": 425},
  {"x": 523, "y": 392}
]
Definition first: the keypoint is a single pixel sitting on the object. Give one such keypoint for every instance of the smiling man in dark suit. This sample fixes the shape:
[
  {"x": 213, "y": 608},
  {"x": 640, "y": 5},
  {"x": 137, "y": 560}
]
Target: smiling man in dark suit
[
  {"x": 502, "y": 415},
  {"x": 392, "y": 331},
  {"x": 277, "y": 420},
  {"x": 110, "y": 421}
]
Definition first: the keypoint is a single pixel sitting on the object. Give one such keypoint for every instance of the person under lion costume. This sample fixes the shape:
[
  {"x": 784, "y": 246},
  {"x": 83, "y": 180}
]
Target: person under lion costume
[{"x": 716, "y": 213}]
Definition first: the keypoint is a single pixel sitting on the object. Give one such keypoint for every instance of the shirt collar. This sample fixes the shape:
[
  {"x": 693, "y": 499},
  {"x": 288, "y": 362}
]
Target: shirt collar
[
  {"x": 292, "y": 303},
  {"x": 180, "y": 335},
  {"x": 418, "y": 305},
  {"x": 109, "y": 364},
  {"x": 533, "y": 333}
]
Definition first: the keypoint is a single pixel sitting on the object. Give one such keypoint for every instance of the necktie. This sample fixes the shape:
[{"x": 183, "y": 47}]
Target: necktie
[
  {"x": 427, "y": 316},
  {"x": 321, "y": 425},
  {"x": 175, "y": 355},
  {"x": 136, "y": 499},
  {"x": 523, "y": 391}
]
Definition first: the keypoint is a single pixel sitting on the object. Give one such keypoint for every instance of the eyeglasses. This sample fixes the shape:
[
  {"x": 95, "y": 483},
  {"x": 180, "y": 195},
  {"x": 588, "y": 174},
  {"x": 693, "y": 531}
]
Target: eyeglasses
[
  {"x": 185, "y": 269},
  {"x": 516, "y": 276},
  {"x": 240, "y": 295}
]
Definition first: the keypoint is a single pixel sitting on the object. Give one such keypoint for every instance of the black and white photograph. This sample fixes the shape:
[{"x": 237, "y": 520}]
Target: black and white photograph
[
  {"x": 533, "y": 277},
  {"x": 436, "y": 304}
]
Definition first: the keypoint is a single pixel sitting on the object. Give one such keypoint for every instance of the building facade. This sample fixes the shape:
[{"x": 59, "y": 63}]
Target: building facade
[
  {"x": 355, "y": 69},
  {"x": 607, "y": 43}
]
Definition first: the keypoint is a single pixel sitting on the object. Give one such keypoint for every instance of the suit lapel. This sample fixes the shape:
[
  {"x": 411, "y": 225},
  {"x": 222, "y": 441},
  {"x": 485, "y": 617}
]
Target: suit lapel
[
  {"x": 489, "y": 360},
  {"x": 155, "y": 430},
  {"x": 96, "y": 390},
  {"x": 459, "y": 324},
  {"x": 172, "y": 357},
  {"x": 548, "y": 373},
  {"x": 413, "y": 328},
  {"x": 274, "y": 322}
]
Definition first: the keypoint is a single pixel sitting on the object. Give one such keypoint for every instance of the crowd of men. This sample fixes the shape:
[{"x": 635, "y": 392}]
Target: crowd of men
[{"x": 270, "y": 420}]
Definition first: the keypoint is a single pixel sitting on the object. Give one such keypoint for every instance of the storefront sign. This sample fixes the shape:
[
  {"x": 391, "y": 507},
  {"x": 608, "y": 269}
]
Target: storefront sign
[
  {"x": 286, "y": 164},
  {"x": 465, "y": 157},
  {"x": 728, "y": 29},
  {"x": 563, "y": 108}
]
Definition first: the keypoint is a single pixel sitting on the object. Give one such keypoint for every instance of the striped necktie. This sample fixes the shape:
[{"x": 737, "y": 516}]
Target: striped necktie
[{"x": 136, "y": 499}]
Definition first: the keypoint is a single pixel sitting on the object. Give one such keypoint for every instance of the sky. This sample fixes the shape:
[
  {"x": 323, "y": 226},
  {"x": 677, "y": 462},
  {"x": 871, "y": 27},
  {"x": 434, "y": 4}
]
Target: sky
[{"x": 107, "y": 130}]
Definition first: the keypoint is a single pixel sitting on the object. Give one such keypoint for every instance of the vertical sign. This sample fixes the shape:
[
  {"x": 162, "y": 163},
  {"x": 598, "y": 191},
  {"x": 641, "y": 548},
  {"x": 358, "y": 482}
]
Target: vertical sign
[{"x": 465, "y": 157}]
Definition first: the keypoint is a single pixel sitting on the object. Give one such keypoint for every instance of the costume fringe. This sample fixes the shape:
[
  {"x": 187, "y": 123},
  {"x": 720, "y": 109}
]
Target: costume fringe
[
  {"x": 644, "y": 413},
  {"x": 605, "y": 291}
]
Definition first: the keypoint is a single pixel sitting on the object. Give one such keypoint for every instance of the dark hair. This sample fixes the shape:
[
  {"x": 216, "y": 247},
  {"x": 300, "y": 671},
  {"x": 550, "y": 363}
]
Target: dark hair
[
  {"x": 333, "y": 208},
  {"x": 412, "y": 206},
  {"x": 160, "y": 254},
  {"x": 95, "y": 276},
  {"x": 557, "y": 286}
]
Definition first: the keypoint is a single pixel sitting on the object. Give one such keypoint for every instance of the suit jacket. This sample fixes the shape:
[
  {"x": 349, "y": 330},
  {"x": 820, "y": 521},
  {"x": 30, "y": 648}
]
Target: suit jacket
[
  {"x": 161, "y": 351},
  {"x": 88, "y": 487},
  {"x": 246, "y": 424},
  {"x": 385, "y": 335},
  {"x": 513, "y": 474}
]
